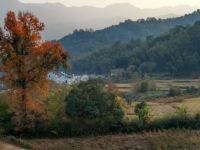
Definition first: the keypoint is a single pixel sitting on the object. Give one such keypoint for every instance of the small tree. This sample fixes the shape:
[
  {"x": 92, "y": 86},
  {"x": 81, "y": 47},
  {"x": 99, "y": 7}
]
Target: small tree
[
  {"x": 142, "y": 111},
  {"x": 25, "y": 62}
]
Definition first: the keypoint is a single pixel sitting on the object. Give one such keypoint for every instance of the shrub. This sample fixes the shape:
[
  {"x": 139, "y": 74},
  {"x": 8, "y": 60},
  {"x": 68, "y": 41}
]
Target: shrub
[
  {"x": 55, "y": 109},
  {"x": 192, "y": 90},
  {"x": 182, "y": 111},
  {"x": 174, "y": 91},
  {"x": 144, "y": 86},
  {"x": 197, "y": 120},
  {"x": 5, "y": 116},
  {"x": 175, "y": 121},
  {"x": 142, "y": 111},
  {"x": 89, "y": 104}
]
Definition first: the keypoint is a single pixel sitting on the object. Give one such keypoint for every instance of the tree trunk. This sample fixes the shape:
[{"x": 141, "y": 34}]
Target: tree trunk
[{"x": 24, "y": 113}]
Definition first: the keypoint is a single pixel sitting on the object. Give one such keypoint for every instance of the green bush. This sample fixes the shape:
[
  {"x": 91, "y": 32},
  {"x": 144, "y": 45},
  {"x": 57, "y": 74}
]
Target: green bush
[
  {"x": 143, "y": 113},
  {"x": 89, "y": 104},
  {"x": 5, "y": 116},
  {"x": 144, "y": 86},
  {"x": 174, "y": 91},
  {"x": 55, "y": 109},
  {"x": 182, "y": 111},
  {"x": 192, "y": 90}
]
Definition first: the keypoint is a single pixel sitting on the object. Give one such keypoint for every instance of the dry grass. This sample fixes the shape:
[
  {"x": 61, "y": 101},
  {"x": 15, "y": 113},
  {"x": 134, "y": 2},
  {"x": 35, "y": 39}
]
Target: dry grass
[
  {"x": 6, "y": 146},
  {"x": 125, "y": 87},
  {"x": 163, "y": 84},
  {"x": 166, "y": 140},
  {"x": 163, "y": 108},
  {"x": 191, "y": 104}
]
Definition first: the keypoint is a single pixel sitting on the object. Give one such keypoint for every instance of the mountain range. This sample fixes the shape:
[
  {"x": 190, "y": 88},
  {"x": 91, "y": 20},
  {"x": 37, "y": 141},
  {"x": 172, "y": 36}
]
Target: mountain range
[
  {"x": 82, "y": 42},
  {"x": 61, "y": 20}
]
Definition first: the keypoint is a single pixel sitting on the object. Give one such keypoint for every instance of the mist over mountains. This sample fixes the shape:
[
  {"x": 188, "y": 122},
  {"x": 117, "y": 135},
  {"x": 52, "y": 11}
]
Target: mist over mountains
[{"x": 61, "y": 20}]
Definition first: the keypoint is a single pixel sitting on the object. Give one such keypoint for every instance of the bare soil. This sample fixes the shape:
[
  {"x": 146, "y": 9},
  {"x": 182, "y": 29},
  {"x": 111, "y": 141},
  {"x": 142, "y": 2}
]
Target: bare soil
[{"x": 6, "y": 146}]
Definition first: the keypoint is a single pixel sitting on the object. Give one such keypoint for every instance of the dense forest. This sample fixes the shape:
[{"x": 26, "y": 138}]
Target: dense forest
[
  {"x": 84, "y": 41},
  {"x": 176, "y": 52}
]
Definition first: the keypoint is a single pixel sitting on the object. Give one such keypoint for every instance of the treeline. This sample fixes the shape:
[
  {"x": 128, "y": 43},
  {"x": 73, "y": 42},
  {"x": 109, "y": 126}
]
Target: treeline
[
  {"x": 84, "y": 41},
  {"x": 176, "y": 52}
]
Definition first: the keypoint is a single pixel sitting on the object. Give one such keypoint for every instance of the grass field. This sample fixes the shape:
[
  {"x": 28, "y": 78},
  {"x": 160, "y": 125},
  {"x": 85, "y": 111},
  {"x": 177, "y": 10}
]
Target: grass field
[
  {"x": 159, "y": 102},
  {"x": 163, "y": 108},
  {"x": 166, "y": 140}
]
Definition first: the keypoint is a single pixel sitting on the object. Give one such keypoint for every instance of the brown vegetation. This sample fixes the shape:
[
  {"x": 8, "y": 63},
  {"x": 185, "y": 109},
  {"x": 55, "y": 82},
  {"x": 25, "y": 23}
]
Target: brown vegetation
[{"x": 166, "y": 140}]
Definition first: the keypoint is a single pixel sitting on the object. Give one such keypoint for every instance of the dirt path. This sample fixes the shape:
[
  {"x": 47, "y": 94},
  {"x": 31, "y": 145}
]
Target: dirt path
[{"x": 5, "y": 146}]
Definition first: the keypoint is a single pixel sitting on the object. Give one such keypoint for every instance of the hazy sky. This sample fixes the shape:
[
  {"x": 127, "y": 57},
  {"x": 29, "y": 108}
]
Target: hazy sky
[{"x": 138, "y": 3}]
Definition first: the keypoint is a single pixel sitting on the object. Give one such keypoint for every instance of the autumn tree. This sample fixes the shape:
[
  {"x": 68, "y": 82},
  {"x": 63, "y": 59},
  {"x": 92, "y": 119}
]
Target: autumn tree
[{"x": 25, "y": 62}]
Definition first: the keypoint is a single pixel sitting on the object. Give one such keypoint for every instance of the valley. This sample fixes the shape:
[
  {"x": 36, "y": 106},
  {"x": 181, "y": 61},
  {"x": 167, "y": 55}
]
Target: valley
[{"x": 112, "y": 76}]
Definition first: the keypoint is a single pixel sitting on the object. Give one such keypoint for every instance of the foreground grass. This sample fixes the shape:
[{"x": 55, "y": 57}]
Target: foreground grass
[{"x": 169, "y": 139}]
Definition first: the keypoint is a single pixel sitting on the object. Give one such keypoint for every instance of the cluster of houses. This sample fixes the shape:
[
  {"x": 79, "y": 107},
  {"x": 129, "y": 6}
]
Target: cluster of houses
[
  {"x": 64, "y": 78},
  {"x": 61, "y": 78}
]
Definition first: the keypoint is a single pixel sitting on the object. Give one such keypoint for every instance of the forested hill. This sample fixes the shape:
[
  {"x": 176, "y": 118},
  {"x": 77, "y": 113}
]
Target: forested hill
[
  {"x": 176, "y": 52},
  {"x": 81, "y": 42}
]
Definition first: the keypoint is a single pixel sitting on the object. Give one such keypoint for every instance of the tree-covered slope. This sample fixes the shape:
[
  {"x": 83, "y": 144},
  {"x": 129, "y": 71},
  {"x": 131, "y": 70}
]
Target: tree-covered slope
[
  {"x": 176, "y": 52},
  {"x": 82, "y": 42}
]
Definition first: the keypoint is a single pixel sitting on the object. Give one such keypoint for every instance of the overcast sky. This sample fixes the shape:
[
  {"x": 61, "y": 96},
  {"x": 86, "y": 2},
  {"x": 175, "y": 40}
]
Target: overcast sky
[{"x": 138, "y": 3}]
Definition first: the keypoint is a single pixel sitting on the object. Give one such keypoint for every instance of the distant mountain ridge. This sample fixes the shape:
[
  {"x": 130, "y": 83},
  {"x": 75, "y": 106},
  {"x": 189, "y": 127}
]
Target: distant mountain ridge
[
  {"x": 61, "y": 20},
  {"x": 82, "y": 42}
]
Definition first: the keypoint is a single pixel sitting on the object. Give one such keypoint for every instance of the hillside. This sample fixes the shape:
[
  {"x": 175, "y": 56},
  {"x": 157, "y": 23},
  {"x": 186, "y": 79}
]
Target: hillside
[
  {"x": 84, "y": 41},
  {"x": 175, "y": 52}
]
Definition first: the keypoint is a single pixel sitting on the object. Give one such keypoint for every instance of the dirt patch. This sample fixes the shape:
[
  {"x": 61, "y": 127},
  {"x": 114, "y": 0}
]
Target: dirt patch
[{"x": 6, "y": 146}]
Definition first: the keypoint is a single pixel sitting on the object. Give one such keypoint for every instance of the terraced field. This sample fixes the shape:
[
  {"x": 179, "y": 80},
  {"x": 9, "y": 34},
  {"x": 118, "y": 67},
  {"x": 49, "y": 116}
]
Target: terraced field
[
  {"x": 164, "y": 108},
  {"x": 163, "y": 85}
]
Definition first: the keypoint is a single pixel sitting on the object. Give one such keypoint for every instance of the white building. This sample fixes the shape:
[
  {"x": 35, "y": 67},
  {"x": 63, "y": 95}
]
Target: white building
[
  {"x": 58, "y": 77},
  {"x": 61, "y": 77}
]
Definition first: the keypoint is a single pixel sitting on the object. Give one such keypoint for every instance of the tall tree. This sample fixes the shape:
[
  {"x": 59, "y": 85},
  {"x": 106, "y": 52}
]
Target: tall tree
[{"x": 25, "y": 62}]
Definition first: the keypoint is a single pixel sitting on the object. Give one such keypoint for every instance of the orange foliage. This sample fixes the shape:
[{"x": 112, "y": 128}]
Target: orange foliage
[{"x": 26, "y": 61}]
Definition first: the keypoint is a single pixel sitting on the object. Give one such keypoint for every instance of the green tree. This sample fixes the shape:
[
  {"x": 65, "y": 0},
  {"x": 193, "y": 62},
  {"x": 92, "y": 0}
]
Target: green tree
[{"x": 90, "y": 100}]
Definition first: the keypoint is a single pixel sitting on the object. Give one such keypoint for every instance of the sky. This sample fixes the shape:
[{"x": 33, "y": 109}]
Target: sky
[{"x": 138, "y": 3}]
